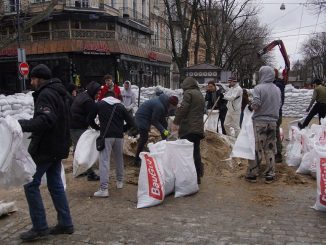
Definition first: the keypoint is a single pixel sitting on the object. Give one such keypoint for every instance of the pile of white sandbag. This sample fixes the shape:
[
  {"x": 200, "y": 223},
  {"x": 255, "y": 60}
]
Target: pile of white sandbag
[
  {"x": 296, "y": 101},
  {"x": 307, "y": 149},
  {"x": 19, "y": 106}
]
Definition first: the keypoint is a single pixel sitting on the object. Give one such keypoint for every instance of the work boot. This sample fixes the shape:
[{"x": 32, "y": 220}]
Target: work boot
[
  {"x": 269, "y": 179},
  {"x": 93, "y": 177},
  {"x": 32, "y": 234},
  {"x": 59, "y": 229},
  {"x": 251, "y": 179},
  {"x": 278, "y": 158}
]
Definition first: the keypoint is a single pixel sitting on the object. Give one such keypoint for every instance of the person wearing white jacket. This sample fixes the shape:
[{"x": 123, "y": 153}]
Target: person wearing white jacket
[
  {"x": 128, "y": 97},
  {"x": 234, "y": 98}
]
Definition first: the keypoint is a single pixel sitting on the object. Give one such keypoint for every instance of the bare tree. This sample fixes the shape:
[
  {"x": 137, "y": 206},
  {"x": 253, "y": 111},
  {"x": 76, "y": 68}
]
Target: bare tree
[
  {"x": 317, "y": 6},
  {"x": 181, "y": 15},
  {"x": 314, "y": 50}
]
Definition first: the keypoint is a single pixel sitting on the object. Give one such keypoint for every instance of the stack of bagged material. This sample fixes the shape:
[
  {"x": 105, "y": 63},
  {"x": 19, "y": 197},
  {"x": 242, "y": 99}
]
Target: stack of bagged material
[
  {"x": 19, "y": 106},
  {"x": 296, "y": 101}
]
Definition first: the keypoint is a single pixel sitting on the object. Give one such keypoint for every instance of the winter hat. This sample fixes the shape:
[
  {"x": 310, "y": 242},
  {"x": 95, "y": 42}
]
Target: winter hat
[
  {"x": 173, "y": 100},
  {"x": 317, "y": 81},
  {"x": 41, "y": 71}
]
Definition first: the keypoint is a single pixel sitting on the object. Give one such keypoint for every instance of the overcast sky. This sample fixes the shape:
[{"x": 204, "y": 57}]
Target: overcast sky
[{"x": 285, "y": 25}]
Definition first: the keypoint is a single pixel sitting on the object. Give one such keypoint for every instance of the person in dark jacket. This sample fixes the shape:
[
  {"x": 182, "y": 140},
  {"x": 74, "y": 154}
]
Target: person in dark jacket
[
  {"x": 153, "y": 112},
  {"x": 83, "y": 109},
  {"x": 72, "y": 90},
  {"x": 213, "y": 93},
  {"x": 317, "y": 104},
  {"x": 189, "y": 118},
  {"x": 49, "y": 145},
  {"x": 113, "y": 139},
  {"x": 281, "y": 85},
  {"x": 244, "y": 103}
]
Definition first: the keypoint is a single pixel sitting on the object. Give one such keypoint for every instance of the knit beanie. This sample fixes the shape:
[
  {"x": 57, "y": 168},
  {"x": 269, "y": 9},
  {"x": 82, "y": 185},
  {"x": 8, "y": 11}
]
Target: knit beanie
[
  {"x": 41, "y": 71},
  {"x": 173, "y": 100}
]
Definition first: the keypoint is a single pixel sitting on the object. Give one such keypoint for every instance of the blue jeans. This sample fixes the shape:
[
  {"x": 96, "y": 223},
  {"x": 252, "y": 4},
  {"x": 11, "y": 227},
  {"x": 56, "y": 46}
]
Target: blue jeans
[{"x": 57, "y": 192}]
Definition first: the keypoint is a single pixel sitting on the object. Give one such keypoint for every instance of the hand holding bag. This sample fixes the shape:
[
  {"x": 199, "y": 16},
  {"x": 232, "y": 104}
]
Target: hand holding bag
[{"x": 100, "y": 141}]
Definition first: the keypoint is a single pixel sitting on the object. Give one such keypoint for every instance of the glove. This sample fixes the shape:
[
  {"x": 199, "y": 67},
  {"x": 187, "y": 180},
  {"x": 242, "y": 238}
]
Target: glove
[
  {"x": 308, "y": 109},
  {"x": 249, "y": 108},
  {"x": 166, "y": 133}
]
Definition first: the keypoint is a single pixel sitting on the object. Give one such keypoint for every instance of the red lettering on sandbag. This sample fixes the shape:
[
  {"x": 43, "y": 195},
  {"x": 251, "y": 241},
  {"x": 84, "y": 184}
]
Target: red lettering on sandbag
[
  {"x": 154, "y": 185},
  {"x": 322, "y": 197}
]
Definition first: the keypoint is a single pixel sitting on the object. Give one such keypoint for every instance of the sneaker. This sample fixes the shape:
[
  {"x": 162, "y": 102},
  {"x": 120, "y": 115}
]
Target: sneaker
[
  {"x": 119, "y": 184},
  {"x": 102, "y": 193},
  {"x": 269, "y": 179},
  {"x": 93, "y": 177},
  {"x": 278, "y": 158},
  {"x": 32, "y": 235},
  {"x": 59, "y": 229},
  {"x": 251, "y": 179}
]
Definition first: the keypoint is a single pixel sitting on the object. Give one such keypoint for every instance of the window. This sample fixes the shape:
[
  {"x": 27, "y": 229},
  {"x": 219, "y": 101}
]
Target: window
[{"x": 41, "y": 27}]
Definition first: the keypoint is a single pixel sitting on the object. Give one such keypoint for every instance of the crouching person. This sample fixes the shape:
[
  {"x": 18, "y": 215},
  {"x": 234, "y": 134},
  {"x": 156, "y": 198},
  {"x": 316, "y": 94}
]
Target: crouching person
[
  {"x": 266, "y": 105},
  {"x": 49, "y": 145},
  {"x": 112, "y": 115}
]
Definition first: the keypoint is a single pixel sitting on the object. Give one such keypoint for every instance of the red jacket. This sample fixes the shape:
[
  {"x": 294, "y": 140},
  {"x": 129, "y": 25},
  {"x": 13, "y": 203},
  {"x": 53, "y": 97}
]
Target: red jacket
[{"x": 105, "y": 89}]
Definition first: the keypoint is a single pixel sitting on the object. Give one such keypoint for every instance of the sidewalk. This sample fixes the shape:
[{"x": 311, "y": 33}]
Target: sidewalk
[{"x": 227, "y": 210}]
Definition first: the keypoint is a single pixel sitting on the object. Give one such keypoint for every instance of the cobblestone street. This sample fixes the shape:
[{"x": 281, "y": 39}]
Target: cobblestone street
[{"x": 227, "y": 210}]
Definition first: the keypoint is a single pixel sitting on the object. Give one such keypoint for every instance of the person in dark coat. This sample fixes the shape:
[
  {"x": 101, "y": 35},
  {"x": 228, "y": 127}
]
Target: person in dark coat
[
  {"x": 281, "y": 85},
  {"x": 113, "y": 140},
  {"x": 82, "y": 111},
  {"x": 49, "y": 145},
  {"x": 189, "y": 119},
  {"x": 72, "y": 90},
  {"x": 213, "y": 93},
  {"x": 153, "y": 112}
]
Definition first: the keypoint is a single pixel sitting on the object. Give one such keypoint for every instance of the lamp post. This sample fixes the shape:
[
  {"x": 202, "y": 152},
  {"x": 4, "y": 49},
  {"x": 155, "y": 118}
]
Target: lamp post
[{"x": 20, "y": 53}]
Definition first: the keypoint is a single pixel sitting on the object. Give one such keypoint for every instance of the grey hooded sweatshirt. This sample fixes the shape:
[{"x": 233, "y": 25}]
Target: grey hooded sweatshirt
[
  {"x": 266, "y": 97},
  {"x": 128, "y": 97}
]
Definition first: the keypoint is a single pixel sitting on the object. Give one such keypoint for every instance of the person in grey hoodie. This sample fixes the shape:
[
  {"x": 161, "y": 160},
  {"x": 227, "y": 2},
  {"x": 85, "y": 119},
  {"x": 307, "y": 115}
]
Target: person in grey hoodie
[
  {"x": 128, "y": 97},
  {"x": 266, "y": 104}
]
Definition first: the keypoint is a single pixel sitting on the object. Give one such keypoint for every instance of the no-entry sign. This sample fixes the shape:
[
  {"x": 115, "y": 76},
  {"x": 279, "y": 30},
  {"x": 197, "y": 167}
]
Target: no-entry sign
[{"x": 24, "y": 68}]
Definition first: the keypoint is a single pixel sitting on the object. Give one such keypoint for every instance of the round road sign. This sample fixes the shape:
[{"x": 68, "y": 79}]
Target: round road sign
[{"x": 24, "y": 68}]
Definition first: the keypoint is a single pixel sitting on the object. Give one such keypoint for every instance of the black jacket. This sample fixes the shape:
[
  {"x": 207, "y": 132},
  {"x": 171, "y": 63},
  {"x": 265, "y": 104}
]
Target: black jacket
[
  {"x": 221, "y": 104},
  {"x": 83, "y": 108},
  {"x": 50, "y": 123},
  {"x": 121, "y": 115}
]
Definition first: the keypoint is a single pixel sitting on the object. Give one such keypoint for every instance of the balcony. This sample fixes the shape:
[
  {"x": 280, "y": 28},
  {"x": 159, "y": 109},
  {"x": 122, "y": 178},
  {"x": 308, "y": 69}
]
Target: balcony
[{"x": 132, "y": 14}]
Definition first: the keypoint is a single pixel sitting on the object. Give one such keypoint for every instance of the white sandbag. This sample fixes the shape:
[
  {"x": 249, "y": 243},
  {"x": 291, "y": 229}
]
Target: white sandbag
[
  {"x": 181, "y": 155},
  {"x": 18, "y": 166},
  {"x": 321, "y": 177},
  {"x": 244, "y": 146},
  {"x": 11, "y": 137},
  {"x": 166, "y": 165},
  {"x": 294, "y": 155},
  {"x": 3, "y": 102},
  {"x": 212, "y": 121},
  {"x": 6, "y": 107},
  {"x": 62, "y": 174},
  {"x": 7, "y": 207},
  {"x": 86, "y": 153},
  {"x": 150, "y": 182},
  {"x": 294, "y": 148},
  {"x": 307, "y": 163}
]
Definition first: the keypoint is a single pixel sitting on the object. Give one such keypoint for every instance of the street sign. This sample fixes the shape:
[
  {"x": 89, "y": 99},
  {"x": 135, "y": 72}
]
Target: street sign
[
  {"x": 21, "y": 54},
  {"x": 24, "y": 68}
]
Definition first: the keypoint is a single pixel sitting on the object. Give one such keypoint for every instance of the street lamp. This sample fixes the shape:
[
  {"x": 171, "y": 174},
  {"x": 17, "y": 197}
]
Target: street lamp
[{"x": 282, "y": 6}]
